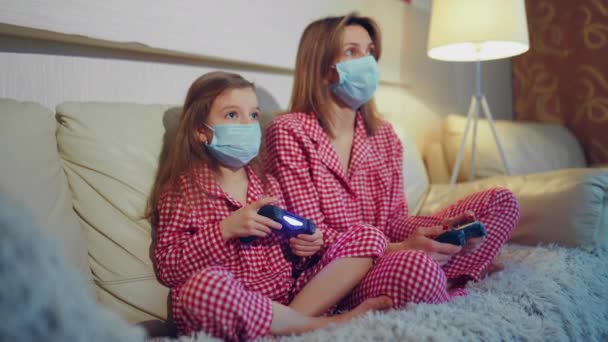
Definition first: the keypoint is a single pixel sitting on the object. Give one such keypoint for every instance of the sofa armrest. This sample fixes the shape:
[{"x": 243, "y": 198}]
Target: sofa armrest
[{"x": 568, "y": 207}]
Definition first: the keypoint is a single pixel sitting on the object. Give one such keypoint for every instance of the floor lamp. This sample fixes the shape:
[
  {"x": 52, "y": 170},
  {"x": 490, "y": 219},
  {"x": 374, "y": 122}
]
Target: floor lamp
[{"x": 476, "y": 31}]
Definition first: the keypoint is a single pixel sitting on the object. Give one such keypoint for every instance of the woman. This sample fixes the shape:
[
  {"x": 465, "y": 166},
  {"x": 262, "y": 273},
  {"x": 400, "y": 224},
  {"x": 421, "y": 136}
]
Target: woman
[{"x": 340, "y": 165}]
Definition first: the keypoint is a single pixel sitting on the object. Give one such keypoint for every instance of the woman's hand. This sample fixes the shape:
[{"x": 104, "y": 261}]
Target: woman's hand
[
  {"x": 247, "y": 222},
  {"x": 472, "y": 245},
  {"x": 306, "y": 245},
  {"x": 422, "y": 240},
  {"x": 458, "y": 220},
  {"x": 466, "y": 217}
]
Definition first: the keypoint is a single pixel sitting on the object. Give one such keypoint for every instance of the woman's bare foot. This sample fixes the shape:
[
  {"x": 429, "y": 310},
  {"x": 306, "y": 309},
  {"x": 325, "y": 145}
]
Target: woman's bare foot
[
  {"x": 370, "y": 304},
  {"x": 492, "y": 268},
  {"x": 460, "y": 282},
  {"x": 457, "y": 283}
]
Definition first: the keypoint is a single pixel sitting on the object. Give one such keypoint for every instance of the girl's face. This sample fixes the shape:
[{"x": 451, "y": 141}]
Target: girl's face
[
  {"x": 356, "y": 43},
  {"x": 233, "y": 106}
]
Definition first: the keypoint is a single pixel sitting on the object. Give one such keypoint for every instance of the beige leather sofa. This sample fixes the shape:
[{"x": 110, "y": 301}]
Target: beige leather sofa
[{"x": 86, "y": 169}]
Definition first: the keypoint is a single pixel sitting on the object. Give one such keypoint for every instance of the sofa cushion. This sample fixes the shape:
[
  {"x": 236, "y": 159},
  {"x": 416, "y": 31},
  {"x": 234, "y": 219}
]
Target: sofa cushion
[
  {"x": 32, "y": 174},
  {"x": 110, "y": 154},
  {"x": 568, "y": 207},
  {"x": 529, "y": 147}
]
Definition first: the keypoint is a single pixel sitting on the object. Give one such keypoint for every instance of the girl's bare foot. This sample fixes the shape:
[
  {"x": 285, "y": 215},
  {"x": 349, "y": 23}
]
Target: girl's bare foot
[
  {"x": 371, "y": 304},
  {"x": 288, "y": 321}
]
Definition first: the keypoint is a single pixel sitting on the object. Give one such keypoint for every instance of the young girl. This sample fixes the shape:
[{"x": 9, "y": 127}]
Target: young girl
[
  {"x": 206, "y": 197},
  {"x": 340, "y": 165}
]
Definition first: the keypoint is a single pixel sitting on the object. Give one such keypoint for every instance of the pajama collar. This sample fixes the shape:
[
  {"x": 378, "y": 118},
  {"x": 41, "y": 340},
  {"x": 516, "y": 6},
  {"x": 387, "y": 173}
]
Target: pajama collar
[
  {"x": 206, "y": 178},
  {"x": 361, "y": 152}
]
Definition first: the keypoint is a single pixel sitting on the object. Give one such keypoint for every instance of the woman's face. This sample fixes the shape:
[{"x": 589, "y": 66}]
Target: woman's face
[
  {"x": 356, "y": 43},
  {"x": 233, "y": 106}
]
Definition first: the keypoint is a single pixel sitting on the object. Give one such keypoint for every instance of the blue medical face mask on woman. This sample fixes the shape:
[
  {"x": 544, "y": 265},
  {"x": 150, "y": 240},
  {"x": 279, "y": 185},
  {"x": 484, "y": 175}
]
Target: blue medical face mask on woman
[
  {"x": 358, "y": 81},
  {"x": 235, "y": 145}
]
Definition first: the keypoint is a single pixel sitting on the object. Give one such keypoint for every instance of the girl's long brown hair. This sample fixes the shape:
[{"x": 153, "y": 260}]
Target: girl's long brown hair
[
  {"x": 320, "y": 46},
  {"x": 184, "y": 151}
]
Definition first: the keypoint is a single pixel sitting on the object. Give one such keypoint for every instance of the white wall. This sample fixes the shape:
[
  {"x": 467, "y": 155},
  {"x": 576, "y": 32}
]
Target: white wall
[
  {"x": 264, "y": 32},
  {"x": 259, "y": 44},
  {"x": 52, "y": 72}
]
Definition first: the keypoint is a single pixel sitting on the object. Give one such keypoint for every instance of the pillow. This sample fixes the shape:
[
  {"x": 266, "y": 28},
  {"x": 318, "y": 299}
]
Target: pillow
[
  {"x": 32, "y": 174},
  {"x": 529, "y": 147},
  {"x": 110, "y": 154}
]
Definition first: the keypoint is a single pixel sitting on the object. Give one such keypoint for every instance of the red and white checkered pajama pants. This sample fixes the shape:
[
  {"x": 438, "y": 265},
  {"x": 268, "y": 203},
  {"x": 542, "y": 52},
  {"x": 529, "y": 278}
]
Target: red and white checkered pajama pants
[
  {"x": 217, "y": 302},
  {"x": 412, "y": 276}
]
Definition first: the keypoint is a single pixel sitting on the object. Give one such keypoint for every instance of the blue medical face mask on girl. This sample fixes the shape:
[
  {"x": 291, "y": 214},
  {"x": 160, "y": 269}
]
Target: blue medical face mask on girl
[
  {"x": 358, "y": 81},
  {"x": 235, "y": 145}
]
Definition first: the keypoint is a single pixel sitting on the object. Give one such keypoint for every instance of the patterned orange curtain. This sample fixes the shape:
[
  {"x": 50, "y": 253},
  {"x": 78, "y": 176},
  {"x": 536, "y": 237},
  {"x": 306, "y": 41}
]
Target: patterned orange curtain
[{"x": 564, "y": 77}]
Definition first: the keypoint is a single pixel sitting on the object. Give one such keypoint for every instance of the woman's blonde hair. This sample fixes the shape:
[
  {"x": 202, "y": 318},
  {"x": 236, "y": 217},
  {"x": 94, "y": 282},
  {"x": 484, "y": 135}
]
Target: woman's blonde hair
[
  {"x": 184, "y": 150},
  {"x": 320, "y": 46}
]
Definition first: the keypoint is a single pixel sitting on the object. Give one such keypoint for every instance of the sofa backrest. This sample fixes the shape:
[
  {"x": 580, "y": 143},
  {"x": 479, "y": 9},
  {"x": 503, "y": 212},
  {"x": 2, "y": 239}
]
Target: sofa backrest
[{"x": 32, "y": 173}]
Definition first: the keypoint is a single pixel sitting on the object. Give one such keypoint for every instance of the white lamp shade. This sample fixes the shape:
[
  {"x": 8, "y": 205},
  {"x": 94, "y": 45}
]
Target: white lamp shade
[{"x": 471, "y": 30}]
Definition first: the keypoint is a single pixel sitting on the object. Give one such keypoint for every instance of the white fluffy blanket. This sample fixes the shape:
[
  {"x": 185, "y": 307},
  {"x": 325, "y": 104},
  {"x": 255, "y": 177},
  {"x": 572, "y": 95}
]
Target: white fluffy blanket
[
  {"x": 41, "y": 297},
  {"x": 545, "y": 293}
]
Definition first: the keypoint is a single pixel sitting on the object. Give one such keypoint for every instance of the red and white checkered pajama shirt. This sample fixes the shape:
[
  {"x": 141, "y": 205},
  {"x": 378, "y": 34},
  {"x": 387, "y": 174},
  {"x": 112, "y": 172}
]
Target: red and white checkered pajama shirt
[
  {"x": 225, "y": 288},
  {"x": 315, "y": 185}
]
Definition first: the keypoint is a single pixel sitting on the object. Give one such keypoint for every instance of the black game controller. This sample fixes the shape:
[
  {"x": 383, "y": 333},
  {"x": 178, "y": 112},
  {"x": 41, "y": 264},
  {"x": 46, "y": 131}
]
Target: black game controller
[
  {"x": 459, "y": 235},
  {"x": 292, "y": 224}
]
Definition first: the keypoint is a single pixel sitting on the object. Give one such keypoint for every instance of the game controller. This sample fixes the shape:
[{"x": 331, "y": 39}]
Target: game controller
[
  {"x": 459, "y": 235},
  {"x": 292, "y": 224}
]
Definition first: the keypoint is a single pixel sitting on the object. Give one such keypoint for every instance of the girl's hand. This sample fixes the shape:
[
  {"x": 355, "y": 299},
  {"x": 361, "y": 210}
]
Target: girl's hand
[
  {"x": 247, "y": 222},
  {"x": 422, "y": 240},
  {"x": 306, "y": 245}
]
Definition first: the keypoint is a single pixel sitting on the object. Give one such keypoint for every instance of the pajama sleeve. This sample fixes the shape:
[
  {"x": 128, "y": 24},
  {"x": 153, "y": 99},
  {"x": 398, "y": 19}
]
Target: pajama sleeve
[
  {"x": 185, "y": 244},
  {"x": 289, "y": 161}
]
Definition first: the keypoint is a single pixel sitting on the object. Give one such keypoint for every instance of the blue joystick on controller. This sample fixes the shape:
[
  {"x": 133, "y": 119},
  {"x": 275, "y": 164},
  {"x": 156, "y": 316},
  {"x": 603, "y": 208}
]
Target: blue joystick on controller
[
  {"x": 459, "y": 235},
  {"x": 292, "y": 224}
]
